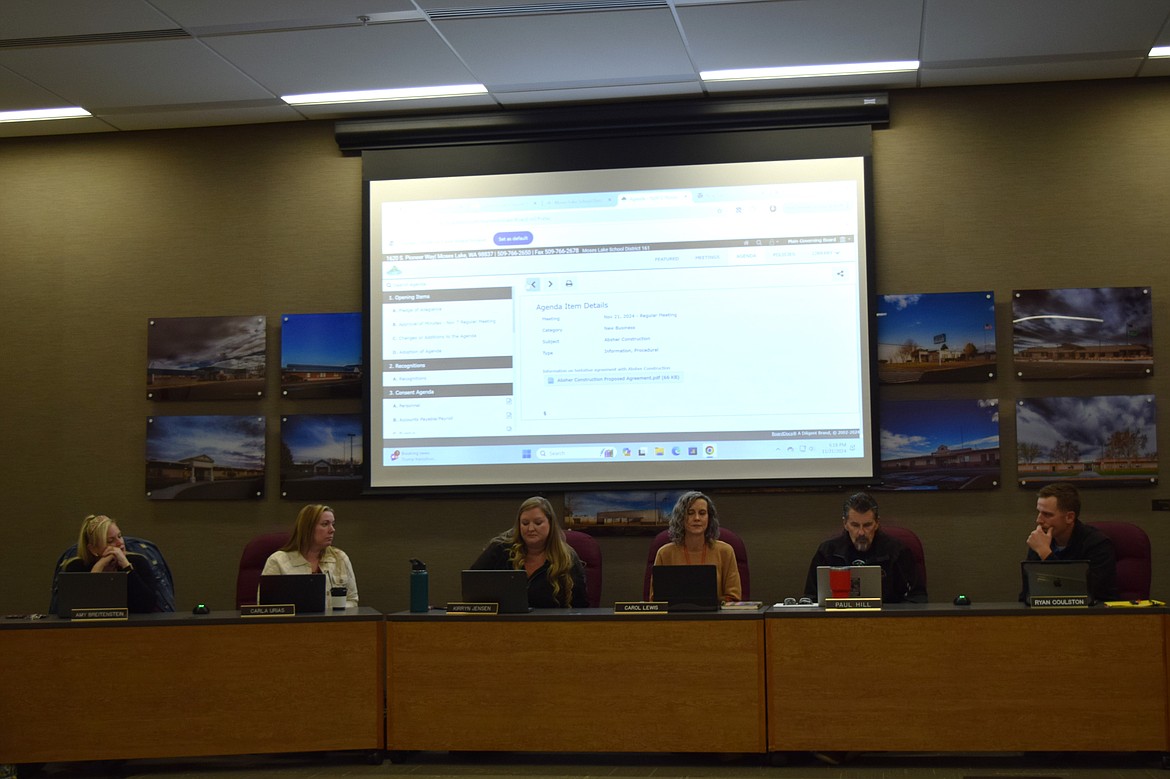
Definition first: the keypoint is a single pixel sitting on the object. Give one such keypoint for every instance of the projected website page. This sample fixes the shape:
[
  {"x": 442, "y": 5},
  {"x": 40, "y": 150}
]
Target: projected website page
[{"x": 536, "y": 329}]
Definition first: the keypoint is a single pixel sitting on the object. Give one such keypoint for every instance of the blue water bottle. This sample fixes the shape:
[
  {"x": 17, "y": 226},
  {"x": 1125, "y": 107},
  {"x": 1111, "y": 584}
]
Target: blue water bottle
[{"x": 419, "y": 586}]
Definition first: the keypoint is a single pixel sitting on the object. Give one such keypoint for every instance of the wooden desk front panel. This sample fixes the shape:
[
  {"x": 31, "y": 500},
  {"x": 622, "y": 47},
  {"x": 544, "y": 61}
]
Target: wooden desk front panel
[
  {"x": 98, "y": 693},
  {"x": 1080, "y": 682},
  {"x": 630, "y": 684}
]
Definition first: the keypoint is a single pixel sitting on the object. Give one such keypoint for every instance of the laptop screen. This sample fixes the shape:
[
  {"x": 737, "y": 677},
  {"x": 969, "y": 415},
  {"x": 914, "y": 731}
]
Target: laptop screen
[
  {"x": 687, "y": 587},
  {"x": 848, "y": 581},
  {"x": 86, "y": 590},
  {"x": 1056, "y": 578},
  {"x": 508, "y": 588},
  {"x": 305, "y": 591}
]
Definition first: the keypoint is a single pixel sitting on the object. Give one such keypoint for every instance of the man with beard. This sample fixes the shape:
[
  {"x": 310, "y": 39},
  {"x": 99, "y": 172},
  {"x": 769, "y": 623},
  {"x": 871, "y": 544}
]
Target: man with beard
[{"x": 863, "y": 543}]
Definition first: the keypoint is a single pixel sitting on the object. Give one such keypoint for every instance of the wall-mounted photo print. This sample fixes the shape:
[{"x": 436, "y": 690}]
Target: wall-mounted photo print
[
  {"x": 321, "y": 355},
  {"x": 620, "y": 513},
  {"x": 940, "y": 444},
  {"x": 205, "y": 458},
  {"x": 320, "y": 456},
  {"x": 936, "y": 337},
  {"x": 205, "y": 358},
  {"x": 1108, "y": 440},
  {"x": 1091, "y": 333}
]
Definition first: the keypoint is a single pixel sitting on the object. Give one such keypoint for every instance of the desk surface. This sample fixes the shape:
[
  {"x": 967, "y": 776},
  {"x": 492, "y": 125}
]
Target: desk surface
[{"x": 170, "y": 685}]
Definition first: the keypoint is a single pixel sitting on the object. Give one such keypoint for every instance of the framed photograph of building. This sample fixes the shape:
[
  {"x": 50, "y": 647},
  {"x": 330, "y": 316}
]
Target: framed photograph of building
[
  {"x": 936, "y": 337},
  {"x": 204, "y": 457},
  {"x": 320, "y": 456},
  {"x": 205, "y": 358},
  {"x": 1107, "y": 440},
  {"x": 940, "y": 444},
  {"x": 321, "y": 355},
  {"x": 1085, "y": 333},
  {"x": 620, "y": 512}
]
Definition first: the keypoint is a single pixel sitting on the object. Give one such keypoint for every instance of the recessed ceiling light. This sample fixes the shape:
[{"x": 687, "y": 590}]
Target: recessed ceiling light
[
  {"x": 809, "y": 71},
  {"x": 43, "y": 114},
  {"x": 376, "y": 95},
  {"x": 1160, "y": 51}
]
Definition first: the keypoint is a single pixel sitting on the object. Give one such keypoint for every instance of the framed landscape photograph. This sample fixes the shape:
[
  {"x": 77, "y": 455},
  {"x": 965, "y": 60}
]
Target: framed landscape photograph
[
  {"x": 940, "y": 445},
  {"x": 204, "y": 457},
  {"x": 1108, "y": 440},
  {"x": 1087, "y": 333},
  {"x": 320, "y": 456},
  {"x": 205, "y": 358},
  {"x": 321, "y": 355},
  {"x": 936, "y": 337},
  {"x": 620, "y": 512}
]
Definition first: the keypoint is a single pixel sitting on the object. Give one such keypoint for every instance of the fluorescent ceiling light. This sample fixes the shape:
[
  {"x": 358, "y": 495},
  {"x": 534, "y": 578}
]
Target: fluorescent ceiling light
[
  {"x": 376, "y": 95},
  {"x": 1160, "y": 51},
  {"x": 42, "y": 114},
  {"x": 809, "y": 71}
]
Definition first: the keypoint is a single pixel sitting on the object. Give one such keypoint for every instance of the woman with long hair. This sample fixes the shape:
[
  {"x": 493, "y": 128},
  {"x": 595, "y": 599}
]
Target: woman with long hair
[
  {"x": 311, "y": 550},
  {"x": 694, "y": 540}
]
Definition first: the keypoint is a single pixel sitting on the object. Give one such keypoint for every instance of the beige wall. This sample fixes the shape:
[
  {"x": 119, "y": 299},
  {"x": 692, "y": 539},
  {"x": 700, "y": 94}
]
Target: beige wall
[{"x": 980, "y": 188}]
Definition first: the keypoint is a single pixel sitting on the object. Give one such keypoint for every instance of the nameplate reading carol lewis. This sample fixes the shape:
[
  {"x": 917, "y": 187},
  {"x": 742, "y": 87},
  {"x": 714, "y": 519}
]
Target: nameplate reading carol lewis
[
  {"x": 641, "y": 607},
  {"x": 271, "y": 610},
  {"x": 1058, "y": 602},
  {"x": 99, "y": 615},
  {"x": 473, "y": 608}
]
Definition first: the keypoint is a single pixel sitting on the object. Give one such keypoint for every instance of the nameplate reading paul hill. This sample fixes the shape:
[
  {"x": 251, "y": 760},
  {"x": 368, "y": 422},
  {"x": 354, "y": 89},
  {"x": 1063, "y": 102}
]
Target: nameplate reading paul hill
[
  {"x": 641, "y": 607},
  {"x": 1058, "y": 602},
  {"x": 853, "y": 604},
  {"x": 99, "y": 615},
  {"x": 270, "y": 610},
  {"x": 473, "y": 608}
]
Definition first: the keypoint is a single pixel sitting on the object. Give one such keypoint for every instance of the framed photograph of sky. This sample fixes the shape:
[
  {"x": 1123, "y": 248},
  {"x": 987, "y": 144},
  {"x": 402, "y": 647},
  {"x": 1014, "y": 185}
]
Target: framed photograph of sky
[
  {"x": 205, "y": 358},
  {"x": 936, "y": 337},
  {"x": 1086, "y": 333},
  {"x": 940, "y": 444},
  {"x": 321, "y": 355},
  {"x": 320, "y": 456},
  {"x": 204, "y": 457},
  {"x": 1107, "y": 440}
]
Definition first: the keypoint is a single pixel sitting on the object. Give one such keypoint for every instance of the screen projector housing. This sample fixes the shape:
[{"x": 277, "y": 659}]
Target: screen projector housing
[{"x": 702, "y": 324}]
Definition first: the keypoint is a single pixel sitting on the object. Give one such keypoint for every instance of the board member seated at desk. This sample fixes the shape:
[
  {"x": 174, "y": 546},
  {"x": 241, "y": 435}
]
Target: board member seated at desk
[
  {"x": 536, "y": 543},
  {"x": 1060, "y": 535},
  {"x": 100, "y": 547},
  {"x": 862, "y": 542},
  {"x": 311, "y": 550},
  {"x": 694, "y": 540}
]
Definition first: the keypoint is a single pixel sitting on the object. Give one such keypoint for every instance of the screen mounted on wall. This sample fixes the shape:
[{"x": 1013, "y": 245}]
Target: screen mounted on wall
[{"x": 697, "y": 324}]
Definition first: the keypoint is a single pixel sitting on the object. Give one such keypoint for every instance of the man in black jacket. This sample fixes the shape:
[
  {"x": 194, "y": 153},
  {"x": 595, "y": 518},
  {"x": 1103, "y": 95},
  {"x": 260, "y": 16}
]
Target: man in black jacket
[
  {"x": 863, "y": 543},
  {"x": 1060, "y": 535}
]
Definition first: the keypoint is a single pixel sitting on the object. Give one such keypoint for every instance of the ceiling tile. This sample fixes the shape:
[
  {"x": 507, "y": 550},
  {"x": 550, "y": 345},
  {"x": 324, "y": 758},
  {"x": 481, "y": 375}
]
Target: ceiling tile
[
  {"x": 597, "y": 94},
  {"x": 1024, "y": 73},
  {"x": 275, "y": 14},
  {"x": 18, "y": 93},
  {"x": 40, "y": 18},
  {"x": 203, "y": 117}
]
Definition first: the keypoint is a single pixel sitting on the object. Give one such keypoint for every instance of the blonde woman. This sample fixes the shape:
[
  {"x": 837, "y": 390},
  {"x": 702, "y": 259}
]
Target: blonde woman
[
  {"x": 311, "y": 550},
  {"x": 101, "y": 549},
  {"x": 536, "y": 544}
]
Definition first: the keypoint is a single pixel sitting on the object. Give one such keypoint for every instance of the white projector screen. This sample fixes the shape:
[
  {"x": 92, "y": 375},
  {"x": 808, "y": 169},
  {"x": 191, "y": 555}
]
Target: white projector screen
[{"x": 691, "y": 324}]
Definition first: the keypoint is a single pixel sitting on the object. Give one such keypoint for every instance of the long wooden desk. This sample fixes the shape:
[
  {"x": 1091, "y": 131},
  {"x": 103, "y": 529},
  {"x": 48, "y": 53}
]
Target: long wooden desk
[
  {"x": 980, "y": 678},
  {"x": 586, "y": 681},
  {"x": 171, "y": 685}
]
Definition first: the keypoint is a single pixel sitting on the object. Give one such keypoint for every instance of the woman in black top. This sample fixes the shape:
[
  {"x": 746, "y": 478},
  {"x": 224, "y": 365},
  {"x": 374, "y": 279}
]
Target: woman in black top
[
  {"x": 536, "y": 543},
  {"x": 100, "y": 548}
]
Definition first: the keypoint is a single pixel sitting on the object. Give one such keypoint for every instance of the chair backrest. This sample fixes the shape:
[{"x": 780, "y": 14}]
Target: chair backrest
[
  {"x": 909, "y": 539},
  {"x": 164, "y": 582},
  {"x": 726, "y": 536},
  {"x": 589, "y": 551},
  {"x": 256, "y": 553},
  {"x": 1131, "y": 547}
]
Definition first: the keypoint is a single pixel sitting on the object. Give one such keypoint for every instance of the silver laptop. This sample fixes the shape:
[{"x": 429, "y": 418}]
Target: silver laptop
[
  {"x": 1056, "y": 578},
  {"x": 86, "y": 590},
  {"x": 863, "y": 581},
  {"x": 507, "y": 587}
]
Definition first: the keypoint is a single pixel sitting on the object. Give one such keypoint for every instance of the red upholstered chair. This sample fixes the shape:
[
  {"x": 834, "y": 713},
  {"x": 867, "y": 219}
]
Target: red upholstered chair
[
  {"x": 256, "y": 553},
  {"x": 588, "y": 550},
  {"x": 726, "y": 536},
  {"x": 910, "y": 540},
  {"x": 1131, "y": 547}
]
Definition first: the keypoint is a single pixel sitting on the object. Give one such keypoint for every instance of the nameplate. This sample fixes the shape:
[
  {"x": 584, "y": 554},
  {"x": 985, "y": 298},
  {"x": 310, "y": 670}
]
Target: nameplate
[
  {"x": 99, "y": 615},
  {"x": 473, "y": 608},
  {"x": 641, "y": 607},
  {"x": 1058, "y": 602},
  {"x": 270, "y": 610},
  {"x": 854, "y": 604}
]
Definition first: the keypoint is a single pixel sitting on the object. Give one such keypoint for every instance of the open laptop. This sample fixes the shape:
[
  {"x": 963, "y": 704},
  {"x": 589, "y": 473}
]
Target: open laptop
[
  {"x": 84, "y": 590},
  {"x": 862, "y": 581},
  {"x": 1056, "y": 578},
  {"x": 508, "y": 588},
  {"x": 687, "y": 587},
  {"x": 304, "y": 591}
]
